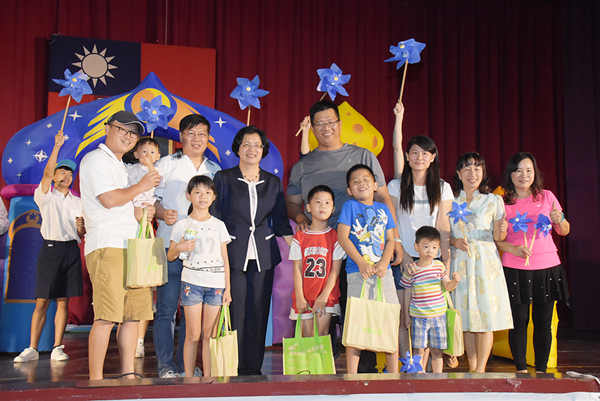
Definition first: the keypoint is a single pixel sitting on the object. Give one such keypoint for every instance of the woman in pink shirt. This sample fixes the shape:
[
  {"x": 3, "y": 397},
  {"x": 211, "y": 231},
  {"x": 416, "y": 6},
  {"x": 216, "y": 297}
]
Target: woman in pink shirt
[{"x": 534, "y": 275}]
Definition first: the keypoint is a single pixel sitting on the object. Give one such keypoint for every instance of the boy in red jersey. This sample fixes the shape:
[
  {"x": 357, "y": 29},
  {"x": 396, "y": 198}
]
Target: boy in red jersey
[{"x": 317, "y": 260}]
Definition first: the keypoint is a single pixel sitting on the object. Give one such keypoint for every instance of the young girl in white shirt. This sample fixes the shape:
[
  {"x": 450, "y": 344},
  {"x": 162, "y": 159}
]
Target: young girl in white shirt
[{"x": 205, "y": 276}]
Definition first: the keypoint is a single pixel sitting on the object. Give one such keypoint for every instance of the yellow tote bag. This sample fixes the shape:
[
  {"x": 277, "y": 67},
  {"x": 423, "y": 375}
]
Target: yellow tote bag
[
  {"x": 146, "y": 258},
  {"x": 224, "y": 348},
  {"x": 372, "y": 324}
]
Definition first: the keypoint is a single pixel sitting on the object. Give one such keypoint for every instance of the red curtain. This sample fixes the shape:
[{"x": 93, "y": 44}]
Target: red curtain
[{"x": 490, "y": 78}]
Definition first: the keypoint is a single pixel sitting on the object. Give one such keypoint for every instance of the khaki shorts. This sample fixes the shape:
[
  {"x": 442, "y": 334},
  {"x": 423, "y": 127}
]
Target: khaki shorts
[
  {"x": 355, "y": 283},
  {"x": 111, "y": 300}
]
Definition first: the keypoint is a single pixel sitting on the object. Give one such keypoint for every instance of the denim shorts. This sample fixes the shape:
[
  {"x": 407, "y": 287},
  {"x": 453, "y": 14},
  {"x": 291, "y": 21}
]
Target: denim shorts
[
  {"x": 429, "y": 331},
  {"x": 194, "y": 294}
]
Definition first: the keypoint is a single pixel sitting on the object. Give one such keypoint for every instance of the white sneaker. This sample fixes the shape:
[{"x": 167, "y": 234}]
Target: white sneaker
[
  {"x": 140, "y": 351},
  {"x": 168, "y": 375},
  {"x": 58, "y": 354},
  {"x": 28, "y": 354}
]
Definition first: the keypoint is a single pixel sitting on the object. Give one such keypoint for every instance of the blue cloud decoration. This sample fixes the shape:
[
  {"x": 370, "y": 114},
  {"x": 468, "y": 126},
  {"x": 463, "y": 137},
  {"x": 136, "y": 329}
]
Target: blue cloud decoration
[{"x": 23, "y": 160}]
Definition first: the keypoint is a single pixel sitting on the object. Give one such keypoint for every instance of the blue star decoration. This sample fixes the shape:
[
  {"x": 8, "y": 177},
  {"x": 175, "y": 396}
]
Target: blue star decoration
[
  {"x": 75, "y": 85},
  {"x": 543, "y": 224},
  {"x": 247, "y": 92},
  {"x": 411, "y": 365},
  {"x": 459, "y": 212},
  {"x": 406, "y": 51},
  {"x": 332, "y": 81},
  {"x": 155, "y": 114},
  {"x": 519, "y": 222}
]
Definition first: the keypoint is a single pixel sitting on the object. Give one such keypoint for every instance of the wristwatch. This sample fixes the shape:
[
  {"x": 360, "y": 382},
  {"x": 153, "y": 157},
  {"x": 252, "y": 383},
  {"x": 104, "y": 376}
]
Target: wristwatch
[{"x": 398, "y": 240}]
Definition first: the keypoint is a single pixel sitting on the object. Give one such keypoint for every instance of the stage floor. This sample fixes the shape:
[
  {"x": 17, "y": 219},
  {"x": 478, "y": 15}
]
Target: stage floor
[{"x": 46, "y": 379}]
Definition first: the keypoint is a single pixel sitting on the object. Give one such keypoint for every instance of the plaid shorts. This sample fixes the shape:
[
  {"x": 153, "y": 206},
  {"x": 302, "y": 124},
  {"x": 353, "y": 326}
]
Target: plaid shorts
[{"x": 429, "y": 331}]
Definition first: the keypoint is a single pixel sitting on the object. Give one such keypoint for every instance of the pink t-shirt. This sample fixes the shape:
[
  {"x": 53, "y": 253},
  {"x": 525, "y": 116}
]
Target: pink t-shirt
[{"x": 544, "y": 253}]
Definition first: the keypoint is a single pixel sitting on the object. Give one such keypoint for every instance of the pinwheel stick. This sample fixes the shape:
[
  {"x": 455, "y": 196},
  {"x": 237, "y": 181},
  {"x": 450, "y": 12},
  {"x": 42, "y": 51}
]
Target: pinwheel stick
[
  {"x": 403, "y": 81},
  {"x": 152, "y": 134},
  {"x": 462, "y": 229},
  {"x": 62, "y": 127},
  {"x": 527, "y": 258},
  {"x": 531, "y": 246},
  {"x": 248, "y": 120}
]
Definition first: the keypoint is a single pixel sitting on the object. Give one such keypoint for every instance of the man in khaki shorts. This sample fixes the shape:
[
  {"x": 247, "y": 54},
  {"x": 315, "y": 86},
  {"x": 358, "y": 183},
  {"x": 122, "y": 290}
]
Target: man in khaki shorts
[{"x": 110, "y": 221}]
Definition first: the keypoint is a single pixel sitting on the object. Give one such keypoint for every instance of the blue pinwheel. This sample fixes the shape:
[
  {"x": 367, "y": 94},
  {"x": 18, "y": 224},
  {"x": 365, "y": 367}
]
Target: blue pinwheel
[
  {"x": 332, "y": 81},
  {"x": 247, "y": 92},
  {"x": 406, "y": 51},
  {"x": 409, "y": 52},
  {"x": 75, "y": 85},
  {"x": 154, "y": 113},
  {"x": 519, "y": 222},
  {"x": 544, "y": 224},
  {"x": 459, "y": 212},
  {"x": 411, "y": 364}
]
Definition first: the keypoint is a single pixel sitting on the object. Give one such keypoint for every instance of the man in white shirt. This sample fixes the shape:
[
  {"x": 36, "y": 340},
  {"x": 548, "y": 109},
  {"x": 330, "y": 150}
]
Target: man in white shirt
[
  {"x": 110, "y": 221},
  {"x": 59, "y": 262},
  {"x": 177, "y": 170}
]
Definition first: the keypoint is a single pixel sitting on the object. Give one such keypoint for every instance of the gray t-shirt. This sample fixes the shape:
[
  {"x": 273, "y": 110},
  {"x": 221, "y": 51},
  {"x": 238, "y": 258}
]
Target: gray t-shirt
[{"x": 329, "y": 168}]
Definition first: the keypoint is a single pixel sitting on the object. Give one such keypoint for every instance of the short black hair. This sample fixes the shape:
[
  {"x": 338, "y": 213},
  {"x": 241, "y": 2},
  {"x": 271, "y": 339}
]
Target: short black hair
[
  {"x": 251, "y": 129},
  {"x": 358, "y": 167},
  {"x": 192, "y": 120},
  {"x": 196, "y": 181},
  {"x": 320, "y": 106},
  {"x": 429, "y": 233},
  {"x": 320, "y": 188},
  {"x": 66, "y": 168},
  {"x": 145, "y": 140}
]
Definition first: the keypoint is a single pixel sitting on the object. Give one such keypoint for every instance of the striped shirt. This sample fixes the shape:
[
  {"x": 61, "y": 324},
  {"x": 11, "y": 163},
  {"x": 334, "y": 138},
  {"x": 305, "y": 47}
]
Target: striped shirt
[{"x": 427, "y": 299}]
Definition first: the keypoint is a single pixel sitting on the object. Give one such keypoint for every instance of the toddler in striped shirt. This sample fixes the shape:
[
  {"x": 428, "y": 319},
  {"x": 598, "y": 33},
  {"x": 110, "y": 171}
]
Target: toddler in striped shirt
[{"x": 427, "y": 311}]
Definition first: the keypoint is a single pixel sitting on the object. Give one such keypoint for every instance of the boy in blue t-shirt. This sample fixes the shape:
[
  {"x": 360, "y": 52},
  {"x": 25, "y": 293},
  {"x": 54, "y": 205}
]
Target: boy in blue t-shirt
[{"x": 365, "y": 232}]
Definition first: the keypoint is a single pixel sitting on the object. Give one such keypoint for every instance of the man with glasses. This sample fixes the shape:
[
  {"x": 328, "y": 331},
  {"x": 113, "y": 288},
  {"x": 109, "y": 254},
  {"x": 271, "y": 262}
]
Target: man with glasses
[
  {"x": 177, "y": 169},
  {"x": 328, "y": 165},
  {"x": 110, "y": 221}
]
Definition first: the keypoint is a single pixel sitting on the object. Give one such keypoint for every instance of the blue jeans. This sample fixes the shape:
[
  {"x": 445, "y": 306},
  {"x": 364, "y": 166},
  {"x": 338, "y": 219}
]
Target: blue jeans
[{"x": 167, "y": 302}]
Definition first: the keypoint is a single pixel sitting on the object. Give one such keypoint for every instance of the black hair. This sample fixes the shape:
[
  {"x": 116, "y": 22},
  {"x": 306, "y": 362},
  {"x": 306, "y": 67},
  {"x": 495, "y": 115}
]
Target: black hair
[
  {"x": 510, "y": 193},
  {"x": 320, "y": 106},
  {"x": 428, "y": 233},
  {"x": 66, "y": 168},
  {"x": 320, "y": 188},
  {"x": 251, "y": 129},
  {"x": 146, "y": 140},
  {"x": 432, "y": 181},
  {"x": 192, "y": 120},
  {"x": 196, "y": 181},
  {"x": 471, "y": 159},
  {"x": 358, "y": 167}
]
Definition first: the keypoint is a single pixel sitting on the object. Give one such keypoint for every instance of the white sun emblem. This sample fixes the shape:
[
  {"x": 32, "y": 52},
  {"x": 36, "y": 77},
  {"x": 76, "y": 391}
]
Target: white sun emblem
[{"x": 95, "y": 65}]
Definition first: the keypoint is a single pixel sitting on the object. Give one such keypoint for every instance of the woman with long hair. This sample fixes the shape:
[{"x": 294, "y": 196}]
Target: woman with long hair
[
  {"x": 481, "y": 296},
  {"x": 420, "y": 198},
  {"x": 534, "y": 273}
]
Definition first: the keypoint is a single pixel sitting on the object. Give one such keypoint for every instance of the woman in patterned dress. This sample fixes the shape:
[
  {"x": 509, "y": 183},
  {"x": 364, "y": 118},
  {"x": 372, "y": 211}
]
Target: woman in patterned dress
[{"x": 481, "y": 296}]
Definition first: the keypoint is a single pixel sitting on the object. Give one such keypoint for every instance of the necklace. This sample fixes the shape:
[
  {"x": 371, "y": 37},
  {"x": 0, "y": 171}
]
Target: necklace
[{"x": 251, "y": 180}]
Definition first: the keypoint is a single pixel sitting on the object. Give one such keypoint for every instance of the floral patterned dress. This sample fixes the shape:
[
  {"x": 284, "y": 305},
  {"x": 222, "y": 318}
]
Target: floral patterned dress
[{"x": 481, "y": 296}]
